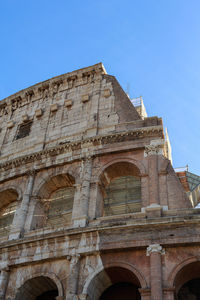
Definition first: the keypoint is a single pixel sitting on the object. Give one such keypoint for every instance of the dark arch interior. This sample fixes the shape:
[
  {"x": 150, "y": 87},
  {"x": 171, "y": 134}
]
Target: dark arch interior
[
  {"x": 190, "y": 290},
  {"x": 51, "y": 295},
  {"x": 186, "y": 274},
  {"x": 38, "y": 288},
  {"x": 121, "y": 291},
  {"x": 116, "y": 283}
]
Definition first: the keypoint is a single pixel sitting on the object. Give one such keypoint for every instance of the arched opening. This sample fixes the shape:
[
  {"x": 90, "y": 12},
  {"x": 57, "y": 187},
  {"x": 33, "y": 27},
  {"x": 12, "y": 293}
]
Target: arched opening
[
  {"x": 121, "y": 189},
  {"x": 114, "y": 283},
  {"x": 56, "y": 202},
  {"x": 190, "y": 290},
  {"x": 187, "y": 282},
  {"x": 8, "y": 206},
  {"x": 38, "y": 288},
  {"x": 121, "y": 291}
]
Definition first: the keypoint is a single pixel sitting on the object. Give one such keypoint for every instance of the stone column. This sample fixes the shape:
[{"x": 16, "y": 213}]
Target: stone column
[
  {"x": 96, "y": 201},
  {"x": 155, "y": 251},
  {"x": 152, "y": 151},
  {"x": 145, "y": 294},
  {"x": 4, "y": 278},
  {"x": 169, "y": 293},
  {"x": 153, "y": 180},
  {"x": 81, "y": 219},
  {"x": 17, "y": 230},
  {"x": 72, "y": 282}
]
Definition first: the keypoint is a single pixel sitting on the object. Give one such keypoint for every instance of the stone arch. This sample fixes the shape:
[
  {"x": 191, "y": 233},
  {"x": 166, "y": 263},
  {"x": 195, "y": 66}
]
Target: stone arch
[
  {"x": 177, "y": 268},
  {"x": 47, "y": 275},
  {"x": 186, "y": 271},
  {"x": 119, "y": 187},
  {"x": 53, "y": 200},
  {"x": 14, "y": 188},
  {"x": 10, "y": 197},
  {"x": 137, "y": 163},
  {"x": 43, "y": 178},
  {"x": 101, "y": 276}
]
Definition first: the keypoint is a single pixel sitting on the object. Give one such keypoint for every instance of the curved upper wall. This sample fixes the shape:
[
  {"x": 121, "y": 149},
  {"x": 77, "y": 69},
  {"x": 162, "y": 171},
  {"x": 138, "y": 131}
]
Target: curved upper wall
[{"x": 67, "y": 108}]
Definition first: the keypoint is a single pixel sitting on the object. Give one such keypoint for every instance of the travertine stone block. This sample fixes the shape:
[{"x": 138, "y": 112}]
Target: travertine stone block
[
  {"x": 68, "y": 103},
  {"x": 25, "y": 118},
  {"x": 10, "y": 124},
  {"x": 38, "y": 112},
  {"x": 54, "y": 107},
  {"x": 107, "y": 93},
  {"x": 85, "y": 98}
]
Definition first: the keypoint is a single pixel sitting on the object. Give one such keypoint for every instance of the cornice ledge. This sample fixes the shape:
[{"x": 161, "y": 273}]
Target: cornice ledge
[{"x": 54, "y": 151}]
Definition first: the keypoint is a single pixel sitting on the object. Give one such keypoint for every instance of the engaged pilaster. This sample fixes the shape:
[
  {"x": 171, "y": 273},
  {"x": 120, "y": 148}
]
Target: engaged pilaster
[
  {"x": 4, "y": 278},
  {"x": 152, "y": 151},
  {"x": 155, "y": 251},
  {"x": 17, "y": 230},
  {"x": 72, "y": 282},
  {"x": 81, "y": 219}
]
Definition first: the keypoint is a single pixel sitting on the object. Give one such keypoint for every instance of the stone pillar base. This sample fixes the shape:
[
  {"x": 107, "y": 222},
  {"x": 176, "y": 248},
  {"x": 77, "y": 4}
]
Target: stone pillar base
[
  {"x": 71, "y": 297},
  {"x": 80, "y": 222},
  {"x": 14, "y": 235},
  {"x": 153, "y": 211},
  {"x": 145, "y": 294},
  {"x": 169, "y": 293}
]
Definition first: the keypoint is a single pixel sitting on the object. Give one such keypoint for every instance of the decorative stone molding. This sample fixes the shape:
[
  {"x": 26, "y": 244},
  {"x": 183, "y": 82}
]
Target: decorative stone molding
[
  {"x": 155, "y": 148},
  {"x": 152, "y": 150},
  {"x": 69, "y": 146},
  {"x": 10, "y": 124},
  {"x": 169, "y": 290},
  {"x": 85, "y": 98},
  {"x": 145, "y": 291},
  {"x": 31, "y": 172},
  {"x": 51, "y": 88},
  {"x": 43, "y": 91},
  {"x": 73, "y": 258},
  {"x": 155, "y": 248}
]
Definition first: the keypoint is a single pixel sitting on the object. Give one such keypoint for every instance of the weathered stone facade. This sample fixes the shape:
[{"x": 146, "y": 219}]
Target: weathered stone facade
[{"x": 91, "y": 206}]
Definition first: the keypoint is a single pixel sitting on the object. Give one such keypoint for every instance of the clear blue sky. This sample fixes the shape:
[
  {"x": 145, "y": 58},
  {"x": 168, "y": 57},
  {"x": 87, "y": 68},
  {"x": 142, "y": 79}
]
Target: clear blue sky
[{"x": 152, "y": 46}]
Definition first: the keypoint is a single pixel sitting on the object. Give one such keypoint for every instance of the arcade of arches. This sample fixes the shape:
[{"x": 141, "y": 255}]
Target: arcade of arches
[
  {"x": 187, "y": 282},
  {"x": 38, "y": 288}
]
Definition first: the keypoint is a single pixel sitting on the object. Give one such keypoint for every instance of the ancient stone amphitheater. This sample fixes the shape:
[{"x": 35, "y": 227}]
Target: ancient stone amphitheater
[{"x": 90, "y": 205}]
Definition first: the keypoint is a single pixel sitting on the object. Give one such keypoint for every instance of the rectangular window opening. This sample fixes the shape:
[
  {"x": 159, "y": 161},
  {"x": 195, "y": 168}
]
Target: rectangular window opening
[{"x": 23, "y": 130}]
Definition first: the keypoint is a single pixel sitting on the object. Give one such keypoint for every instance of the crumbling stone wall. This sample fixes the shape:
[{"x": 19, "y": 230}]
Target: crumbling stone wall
[{"x": 85, "y": 133}]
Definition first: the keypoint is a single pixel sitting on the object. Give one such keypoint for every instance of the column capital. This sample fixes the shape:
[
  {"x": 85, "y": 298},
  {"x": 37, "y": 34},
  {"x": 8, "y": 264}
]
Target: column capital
[
  {"x": 4, "y": 267},
  {"x": 155, "y": 248},
  {"x": 155, "y": 148},
  {"x": 31, "y": 172},
  {"x": 73, "y": 258}
]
